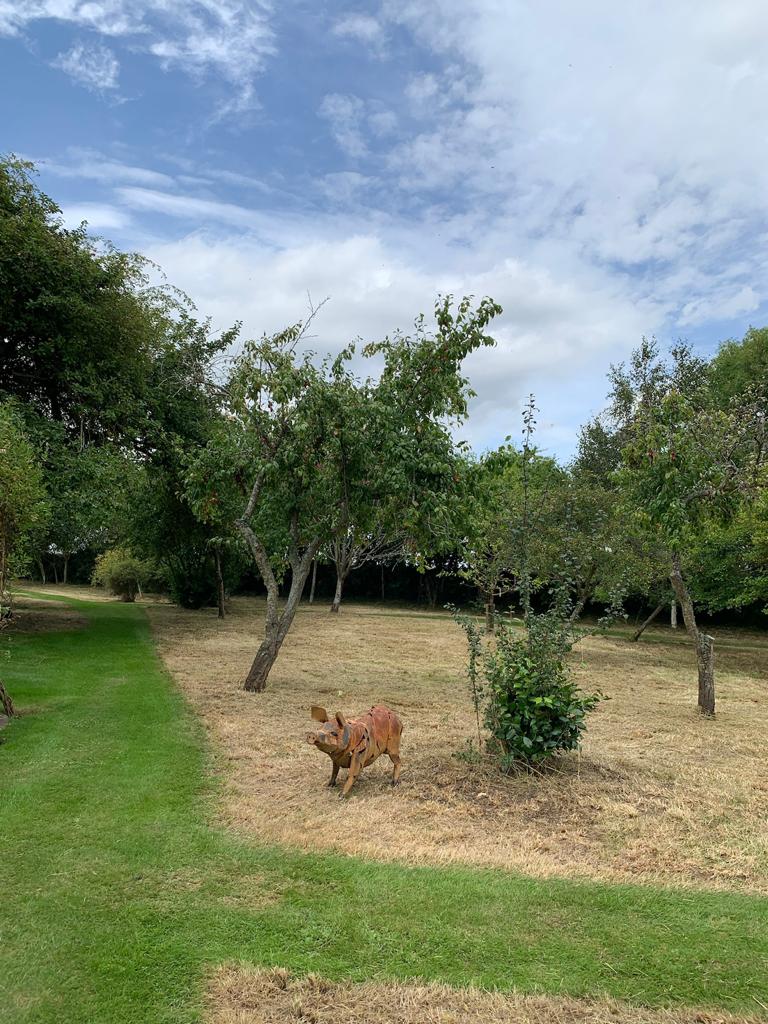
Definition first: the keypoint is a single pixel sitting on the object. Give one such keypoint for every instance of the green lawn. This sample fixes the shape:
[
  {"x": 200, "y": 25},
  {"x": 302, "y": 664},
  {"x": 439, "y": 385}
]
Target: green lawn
[{"x": 116, "y": 892}]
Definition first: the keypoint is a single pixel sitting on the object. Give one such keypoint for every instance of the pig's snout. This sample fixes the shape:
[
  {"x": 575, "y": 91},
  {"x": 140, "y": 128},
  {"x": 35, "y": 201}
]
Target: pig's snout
[{"x": 311, "y": 738}]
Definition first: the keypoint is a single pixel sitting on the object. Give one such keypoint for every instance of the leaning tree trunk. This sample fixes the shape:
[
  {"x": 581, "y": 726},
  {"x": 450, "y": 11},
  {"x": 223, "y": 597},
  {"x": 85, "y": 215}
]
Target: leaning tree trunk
[
  {"x": 639, "y": 632},
  {"x": 6, "y": 703},
  {"x": 256, "y": 680},
  {"x": 41, "y": 567},
  {"x": 276, "y": 630},
  {"x": 277, "y": 622},
  {"x": 705, "y": 645},
  {"x": 673, "y": 615},
  {"x": 314, "y": 581}
]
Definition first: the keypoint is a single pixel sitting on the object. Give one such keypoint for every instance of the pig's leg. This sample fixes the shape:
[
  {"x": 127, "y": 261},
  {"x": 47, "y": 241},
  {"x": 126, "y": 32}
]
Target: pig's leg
[
  {"x": 393, "y": 749},
  {"x": 334, "y": 773},
  {"x": 355, "y": 767}
]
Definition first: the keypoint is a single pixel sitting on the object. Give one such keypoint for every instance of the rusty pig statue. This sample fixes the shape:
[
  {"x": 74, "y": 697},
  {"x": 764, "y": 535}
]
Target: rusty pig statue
[{"x": 358, "y": 742}]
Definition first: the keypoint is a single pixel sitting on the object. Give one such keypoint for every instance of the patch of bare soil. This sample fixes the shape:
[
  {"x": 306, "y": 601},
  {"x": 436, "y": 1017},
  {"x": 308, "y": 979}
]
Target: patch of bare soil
[
  {"x": 246, "y": 996},
  {"x": 657, "y": 795}
]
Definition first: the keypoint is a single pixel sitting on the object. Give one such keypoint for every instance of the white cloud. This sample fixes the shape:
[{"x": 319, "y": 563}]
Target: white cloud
[
  {"x": 553, "y": 333},
  {"x": 344, "y": 187},
  {"x": 601, "y": 171},
  {"x": 361, "y": 27},
  {"x": 722, "y": 304},
  {"x": 422, "y": 87},
  {"x": 228, "y": 38},
  {"x": 630, "y": 138},
  {"x": 100, "y": 216},
  {"x": 187, "y": 207},
  {"x": 383, "y": 122},
  {"x": 353, "y": 121},
  {"x": 94, "y": 166},
  {"x": 94, "y": 66},
  {"x": 345, "y": 116}
]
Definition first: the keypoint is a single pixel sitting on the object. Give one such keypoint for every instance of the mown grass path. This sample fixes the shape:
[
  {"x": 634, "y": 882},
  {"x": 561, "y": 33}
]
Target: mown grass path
[{"x": 116, "y": 892}]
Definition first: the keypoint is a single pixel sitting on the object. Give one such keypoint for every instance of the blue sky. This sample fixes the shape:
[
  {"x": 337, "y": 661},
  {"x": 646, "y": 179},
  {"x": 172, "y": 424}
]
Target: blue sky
[{"x": 599, "y": 169}]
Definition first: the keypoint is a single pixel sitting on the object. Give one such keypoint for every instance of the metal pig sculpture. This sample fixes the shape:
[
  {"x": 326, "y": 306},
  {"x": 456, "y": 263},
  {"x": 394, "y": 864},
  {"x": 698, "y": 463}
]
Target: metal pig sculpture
[{"x": 358, "y": 742}]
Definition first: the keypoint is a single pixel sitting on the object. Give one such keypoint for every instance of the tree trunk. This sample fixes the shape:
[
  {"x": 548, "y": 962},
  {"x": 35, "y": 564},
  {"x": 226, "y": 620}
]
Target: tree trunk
[
  {"x": 639, "y": 632},
  {"x": 578, "y": 608},
  {"x": 65, "y": 570},
  {"x": 705, "y": 645},
  {"x": 276, "y": 630},
  {"x": 6, "y": 703},
  {"x": 340, "y": 580},
  {"x": 490, "y": 613},
  {"x": 256, "y": 680},
  {"x": 55, "y": 571},
  {"x": 673, "y": 615},
  {"x": 432, "y": 590},
  {"x": 585, "y": 592},
  {"x": 382, "y": 583},
  {"x": 277, "y": 622},
  {"x": 705, "y": 656},
  {"x": 219, "y": 581},
  {"x": 41, "y": 567},
  {"x": 314, "y": 580}
]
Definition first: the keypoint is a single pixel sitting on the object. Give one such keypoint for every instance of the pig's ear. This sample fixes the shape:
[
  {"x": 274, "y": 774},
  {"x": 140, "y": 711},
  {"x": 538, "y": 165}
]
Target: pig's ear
[
  {"x": 341, "y": 719},
  {"x": 319, "y": 714}
]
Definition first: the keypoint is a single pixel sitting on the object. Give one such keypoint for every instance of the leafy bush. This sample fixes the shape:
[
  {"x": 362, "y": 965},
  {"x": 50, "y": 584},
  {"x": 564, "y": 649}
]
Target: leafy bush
[
  {"x": 522, "y": 687},
  {"x": 123, "y": 574}
]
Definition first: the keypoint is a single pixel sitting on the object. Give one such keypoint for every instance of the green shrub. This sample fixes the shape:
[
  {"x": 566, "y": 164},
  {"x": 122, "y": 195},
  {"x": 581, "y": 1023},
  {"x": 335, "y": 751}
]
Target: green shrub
[
  {"x": 522, "y": 687},
  {"x": 124, "y": 575}
]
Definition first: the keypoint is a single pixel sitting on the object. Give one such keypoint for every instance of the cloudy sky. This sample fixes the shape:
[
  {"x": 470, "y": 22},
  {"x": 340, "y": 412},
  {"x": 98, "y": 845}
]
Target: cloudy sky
[{"x": 600, "y": 169}]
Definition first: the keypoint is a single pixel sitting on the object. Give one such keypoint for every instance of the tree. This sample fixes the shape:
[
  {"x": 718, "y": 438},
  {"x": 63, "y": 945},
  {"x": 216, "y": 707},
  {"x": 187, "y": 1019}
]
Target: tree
[
  {"x": 22, "y": 499},
  {"x": 684, "y": 461},
  {"x": 22, "y": 510},
  {"x": 76, "y": 329},
  {"x": 124, "y": 575},
  {"x": 492, "y": 550},
  {"x": 306, "y": 443},
  {"x": 629, "y": 559},
  {"x": 521, "y": 683},
  {"x": 580, "y": 542},
  {"x": 280, "y": 446},
  {"x": 352, "y": 547},
  {"x": 89, "y": 489},
  {"x": 97, "y": 356},
  {"x": 739, "y": 366}
]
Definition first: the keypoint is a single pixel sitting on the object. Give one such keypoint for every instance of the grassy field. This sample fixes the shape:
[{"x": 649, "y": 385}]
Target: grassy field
[
  {"x": 658, "y": 795},
  {"x": 121, "y": 894}
]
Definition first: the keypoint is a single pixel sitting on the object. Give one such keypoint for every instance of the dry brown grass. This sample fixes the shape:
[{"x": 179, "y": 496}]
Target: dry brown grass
[
  {"x": 36, "y": 615},
  {"x": 657, "y": 795},
  {"x": 241, "y": 995},
  {"x": 80, "y": 591}
]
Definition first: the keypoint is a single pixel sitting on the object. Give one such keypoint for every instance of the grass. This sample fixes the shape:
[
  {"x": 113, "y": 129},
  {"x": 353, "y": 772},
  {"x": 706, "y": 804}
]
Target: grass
[
  {"x": 246, "y": 996},
  {"x": 119, "y": 895},
  {"x": 658, "y": 795}
]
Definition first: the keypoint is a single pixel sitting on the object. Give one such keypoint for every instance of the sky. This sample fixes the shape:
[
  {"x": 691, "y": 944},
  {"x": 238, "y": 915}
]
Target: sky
[{"x": 599, "y": 169}]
